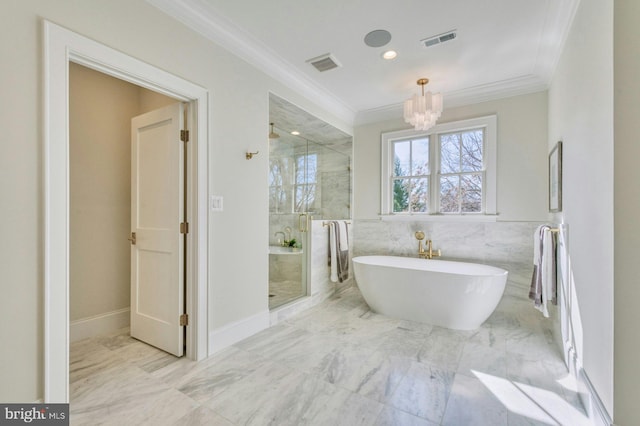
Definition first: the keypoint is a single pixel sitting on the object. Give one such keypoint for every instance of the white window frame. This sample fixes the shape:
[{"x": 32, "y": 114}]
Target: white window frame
[
  {"x": 295, "y": 185},
  {"x": 489, "y": 193}
]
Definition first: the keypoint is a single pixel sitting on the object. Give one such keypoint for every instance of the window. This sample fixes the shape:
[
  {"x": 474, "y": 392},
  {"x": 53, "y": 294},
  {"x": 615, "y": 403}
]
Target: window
[
  {"x": 410, "y": 179},
  {"x": 461, "y": 171},
  {"x": 448, "y": 170},
  {"x": 305, "y": 182},
  {"x": 293, "y": 183}
]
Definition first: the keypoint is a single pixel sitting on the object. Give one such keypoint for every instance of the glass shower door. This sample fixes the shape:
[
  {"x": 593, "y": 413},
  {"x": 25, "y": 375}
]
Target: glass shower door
[{"x": 290, "y": 194}]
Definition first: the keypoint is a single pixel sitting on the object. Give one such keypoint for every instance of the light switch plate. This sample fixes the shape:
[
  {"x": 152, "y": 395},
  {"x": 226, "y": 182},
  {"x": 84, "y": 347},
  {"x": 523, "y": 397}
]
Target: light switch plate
[{"x": 215, "y": 203}]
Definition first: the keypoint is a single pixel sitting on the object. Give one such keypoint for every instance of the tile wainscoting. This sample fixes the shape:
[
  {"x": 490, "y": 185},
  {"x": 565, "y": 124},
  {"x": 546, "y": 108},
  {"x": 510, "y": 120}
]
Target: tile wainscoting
[{"x": 504, "y": 244}]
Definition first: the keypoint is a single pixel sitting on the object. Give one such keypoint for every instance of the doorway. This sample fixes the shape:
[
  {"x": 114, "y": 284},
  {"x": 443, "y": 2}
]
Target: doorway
[
  {"x": 61, "y": 48},
  {"x": 109, "y": 117}
]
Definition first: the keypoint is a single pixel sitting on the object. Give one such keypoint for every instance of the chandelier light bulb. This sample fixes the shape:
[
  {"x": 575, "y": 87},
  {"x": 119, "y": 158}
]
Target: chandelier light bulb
[{"x": 422, "y": 111}]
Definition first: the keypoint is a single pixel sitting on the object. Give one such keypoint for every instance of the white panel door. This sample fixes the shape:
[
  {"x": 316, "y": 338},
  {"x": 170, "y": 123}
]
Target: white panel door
[{"x": 157, "y": 209}]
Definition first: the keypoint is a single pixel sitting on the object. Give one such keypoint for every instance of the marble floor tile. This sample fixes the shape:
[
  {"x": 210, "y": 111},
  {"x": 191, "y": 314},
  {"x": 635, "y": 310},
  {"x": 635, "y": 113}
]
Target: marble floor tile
[
  {"x": 378, "y": 376},
  {"x": 145, "y": 356},
  {"x": 337, "y": 363},
  {"x": 423, "y": 392},
  {"x": 279, "y": 339},
  {"x": 485, "y": 359},
  {"x": 151, "y": 408},
  {"x": 93, "y": 362},
  {"x": 117, "y": 339},
  {"x": 443, "y": 348},
  {"x": 336, "y": 406},
  {"x": 254, "y": 399},
  {"x": 472, "y": 403},
  {"x": 202, "y": 416},
  {"x": 400, "y": 341},
  {"x": 393, "y": 417},
  {"x": 340, "y": 365},
  {"x": 205, "y": 383}
]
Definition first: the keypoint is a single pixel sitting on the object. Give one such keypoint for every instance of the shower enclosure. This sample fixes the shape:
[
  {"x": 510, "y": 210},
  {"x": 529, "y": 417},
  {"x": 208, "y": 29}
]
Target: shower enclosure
[{"x": 307, "y": 179}]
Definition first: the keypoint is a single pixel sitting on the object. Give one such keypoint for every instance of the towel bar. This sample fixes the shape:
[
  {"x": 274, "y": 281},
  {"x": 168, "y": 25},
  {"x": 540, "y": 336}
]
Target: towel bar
[{"x": 327, "y": 223}]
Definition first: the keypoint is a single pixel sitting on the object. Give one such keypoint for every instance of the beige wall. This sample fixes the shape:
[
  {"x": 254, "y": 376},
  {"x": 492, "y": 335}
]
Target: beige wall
[
  {"x": 522, "y": 157},
  {"x": 581, "y": 115},
  {"x": 626, "y": 205},
  {"x": 101, "y": 108},
  {"x": 238, "y": 108}
]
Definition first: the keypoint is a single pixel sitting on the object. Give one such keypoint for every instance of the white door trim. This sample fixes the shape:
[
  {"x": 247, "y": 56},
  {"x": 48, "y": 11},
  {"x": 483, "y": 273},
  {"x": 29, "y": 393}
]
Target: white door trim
[{"x": 62, "y": 46}]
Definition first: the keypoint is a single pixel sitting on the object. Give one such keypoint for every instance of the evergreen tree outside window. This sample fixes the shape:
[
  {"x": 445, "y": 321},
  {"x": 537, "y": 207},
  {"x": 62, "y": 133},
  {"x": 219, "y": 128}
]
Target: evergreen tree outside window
[
  {"x": 448, "y": 170},
  {"x": 411, "y": 176}
]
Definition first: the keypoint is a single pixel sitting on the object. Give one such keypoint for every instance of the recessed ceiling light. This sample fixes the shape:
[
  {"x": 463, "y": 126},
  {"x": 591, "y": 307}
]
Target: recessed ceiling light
[
  {"x": 389, "y": 54},
  {"x": 295, "y": 133}
]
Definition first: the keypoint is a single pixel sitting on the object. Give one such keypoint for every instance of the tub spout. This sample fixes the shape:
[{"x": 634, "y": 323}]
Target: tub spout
[{"x": 429, "y": 253}]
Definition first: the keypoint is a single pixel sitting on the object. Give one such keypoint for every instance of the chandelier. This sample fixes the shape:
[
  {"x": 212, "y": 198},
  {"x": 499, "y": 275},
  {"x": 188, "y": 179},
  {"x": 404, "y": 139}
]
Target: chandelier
[{"x": 422, "y": 111}]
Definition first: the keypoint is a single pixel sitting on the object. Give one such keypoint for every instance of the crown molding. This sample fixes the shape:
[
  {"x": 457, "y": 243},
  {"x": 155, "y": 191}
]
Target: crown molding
[
  {"x": 557, "y": 26},
  {"x": 204, "y": 19},
  {"x": 507, "y": 88},
  {"x": 201, "y": 17}
]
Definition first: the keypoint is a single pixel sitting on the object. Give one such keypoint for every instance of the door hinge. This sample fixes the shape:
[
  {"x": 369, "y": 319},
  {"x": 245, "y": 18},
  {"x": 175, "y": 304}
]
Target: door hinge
[
  {"x": 184, "y": 135},
  {"x": 184, "y": 228},
  {"x": 184, "y": 319}
]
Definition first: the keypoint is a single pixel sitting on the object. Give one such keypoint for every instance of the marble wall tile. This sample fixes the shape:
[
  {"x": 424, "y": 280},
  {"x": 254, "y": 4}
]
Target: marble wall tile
[
  {"x": 500, "y": 243},
  {"x": 286, "y": 267}
]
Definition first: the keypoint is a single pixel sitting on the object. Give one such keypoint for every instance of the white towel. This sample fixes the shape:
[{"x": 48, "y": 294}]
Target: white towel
[
  {"x": 543, "y": 281},
  {"x": 344, "y": 239},
  {"x": 339, "y": 250},
  {"x": 333, "y": 252}
]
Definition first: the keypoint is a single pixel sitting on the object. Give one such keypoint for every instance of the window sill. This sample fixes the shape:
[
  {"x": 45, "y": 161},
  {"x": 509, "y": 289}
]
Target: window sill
[{"x": 439, "y": 218}]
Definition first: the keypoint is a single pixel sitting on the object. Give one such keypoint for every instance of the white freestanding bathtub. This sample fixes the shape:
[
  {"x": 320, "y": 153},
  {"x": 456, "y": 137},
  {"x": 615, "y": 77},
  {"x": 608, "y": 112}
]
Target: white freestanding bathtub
[{"x": 449, "y": 294}]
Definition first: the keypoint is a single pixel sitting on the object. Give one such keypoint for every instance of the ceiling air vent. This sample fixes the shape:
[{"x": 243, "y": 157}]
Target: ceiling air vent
[
  {"x": 324, "y": 62},
  {"x": 441, "y": 38}
]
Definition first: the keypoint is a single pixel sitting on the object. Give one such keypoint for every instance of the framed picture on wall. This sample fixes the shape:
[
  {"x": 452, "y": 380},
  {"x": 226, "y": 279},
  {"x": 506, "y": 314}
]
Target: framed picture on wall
[{"x": 555, "y": 178}]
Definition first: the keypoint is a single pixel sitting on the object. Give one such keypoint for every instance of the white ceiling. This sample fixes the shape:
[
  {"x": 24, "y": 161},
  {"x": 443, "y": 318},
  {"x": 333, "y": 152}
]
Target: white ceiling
[{"x": 503, "y": 47}]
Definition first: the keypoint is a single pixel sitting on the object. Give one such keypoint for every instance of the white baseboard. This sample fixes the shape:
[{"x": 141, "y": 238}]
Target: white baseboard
[
  {"x": 594, "y": 405},
  {"x": 99, "y": 324},
  {"x": 229, "y": 334}
]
